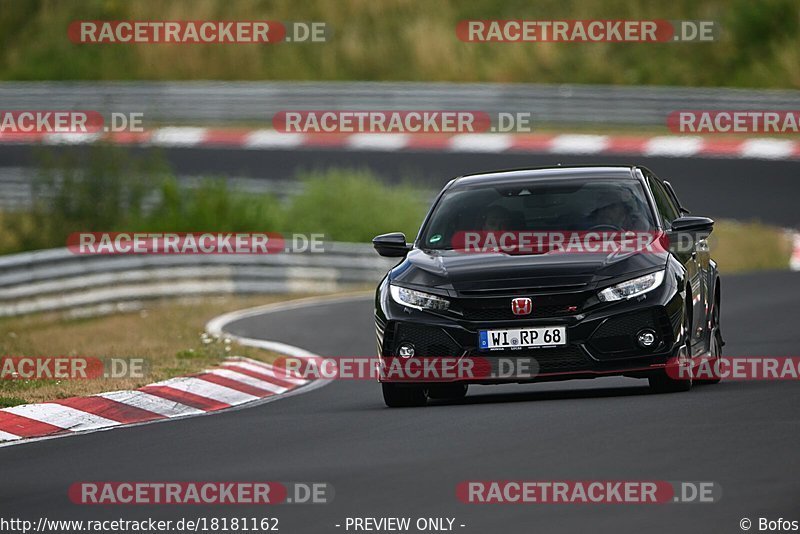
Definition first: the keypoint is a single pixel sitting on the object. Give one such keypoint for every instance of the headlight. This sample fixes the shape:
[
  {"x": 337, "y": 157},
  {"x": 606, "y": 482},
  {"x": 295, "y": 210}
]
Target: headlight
[
  {"x": 418, "y": 299},
  {"x": 632, "y": 288}
]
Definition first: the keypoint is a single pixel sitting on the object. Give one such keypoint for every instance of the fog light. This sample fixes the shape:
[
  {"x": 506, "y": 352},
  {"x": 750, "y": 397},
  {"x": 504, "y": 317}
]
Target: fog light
[
  {"x": 406, "y": 350},
  {"x": 646, "y": 338}
]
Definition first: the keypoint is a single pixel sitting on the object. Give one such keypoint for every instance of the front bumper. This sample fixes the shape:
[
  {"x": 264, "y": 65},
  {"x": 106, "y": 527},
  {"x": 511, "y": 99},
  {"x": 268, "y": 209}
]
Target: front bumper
[{"x": 601, "y": 340}]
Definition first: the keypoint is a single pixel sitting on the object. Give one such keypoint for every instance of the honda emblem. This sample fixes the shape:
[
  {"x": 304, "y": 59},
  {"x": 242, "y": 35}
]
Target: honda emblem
[{"x": 522, "y": 306}]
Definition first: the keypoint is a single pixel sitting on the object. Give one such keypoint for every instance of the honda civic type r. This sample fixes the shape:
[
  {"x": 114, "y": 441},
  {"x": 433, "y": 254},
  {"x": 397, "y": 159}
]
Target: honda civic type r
[{"x": 462, "y": 292}]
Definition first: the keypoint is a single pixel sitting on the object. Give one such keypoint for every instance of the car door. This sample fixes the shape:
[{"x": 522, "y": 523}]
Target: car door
[
  {"x": 689, "y": 256},
  {"x": 703, "y": 252},
  {"x": 706, "y": 275}
]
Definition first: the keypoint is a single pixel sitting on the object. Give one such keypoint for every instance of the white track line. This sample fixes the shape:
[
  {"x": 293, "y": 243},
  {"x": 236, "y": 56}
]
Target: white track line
[
  {"x": 378, "y": 141},
  {"x": 480, "y": 142},
  {"x": 579, "y": 144},
  {"x": 272, "y": 139},
  {"x": 767, "y": 148},
  {"x": 71, "y": 138},
  {"x": 178, "y": 136},
  {"x": 673, "y": 146}
]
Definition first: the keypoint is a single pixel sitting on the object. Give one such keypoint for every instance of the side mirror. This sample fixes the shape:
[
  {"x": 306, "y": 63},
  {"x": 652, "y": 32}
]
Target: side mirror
[
  {"x": 391, "y": 245},
  {"x": 693, "y": 225}
]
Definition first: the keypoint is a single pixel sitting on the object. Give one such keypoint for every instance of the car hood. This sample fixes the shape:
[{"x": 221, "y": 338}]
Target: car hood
[{"x": 456, "y": 271}]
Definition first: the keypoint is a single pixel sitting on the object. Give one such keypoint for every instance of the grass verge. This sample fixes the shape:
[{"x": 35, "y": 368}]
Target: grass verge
[
  {"x": 758, "y": 46},
  {"x": 168, "y": 335},
  {"x": 740, "y": 247}
]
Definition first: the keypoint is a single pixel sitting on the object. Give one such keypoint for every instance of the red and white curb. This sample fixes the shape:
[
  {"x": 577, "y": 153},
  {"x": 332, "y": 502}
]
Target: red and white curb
[
  {"x": 575, "y": 144},
  {"x": 236, "y": 383},
  {"x": 794, "y": 263}
]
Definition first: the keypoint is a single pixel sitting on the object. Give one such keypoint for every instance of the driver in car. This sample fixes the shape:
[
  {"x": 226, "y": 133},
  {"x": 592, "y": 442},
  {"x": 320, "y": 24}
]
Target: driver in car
[
  {"x": 497, "y": 219},
  {"x": 617, "y": 211}
]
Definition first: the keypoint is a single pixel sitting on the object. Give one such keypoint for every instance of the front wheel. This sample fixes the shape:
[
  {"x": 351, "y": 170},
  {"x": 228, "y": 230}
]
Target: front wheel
[
  {"x": 404, "y": 396},
  {"x": 715, "y": 348},
  {"x": 661, "y": 381}
]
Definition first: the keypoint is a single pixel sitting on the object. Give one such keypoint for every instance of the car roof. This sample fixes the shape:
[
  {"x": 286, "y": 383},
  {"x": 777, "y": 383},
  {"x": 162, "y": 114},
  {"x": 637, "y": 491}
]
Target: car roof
[{"x": 617, "y": 172}]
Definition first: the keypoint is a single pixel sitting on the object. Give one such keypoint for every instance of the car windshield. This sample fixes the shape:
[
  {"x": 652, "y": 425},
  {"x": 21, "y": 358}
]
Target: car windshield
[{"x": 593, "y": 204}]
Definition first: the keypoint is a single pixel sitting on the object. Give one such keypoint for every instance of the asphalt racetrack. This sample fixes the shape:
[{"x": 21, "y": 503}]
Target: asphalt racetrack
[{"x": 407, "y": 462}]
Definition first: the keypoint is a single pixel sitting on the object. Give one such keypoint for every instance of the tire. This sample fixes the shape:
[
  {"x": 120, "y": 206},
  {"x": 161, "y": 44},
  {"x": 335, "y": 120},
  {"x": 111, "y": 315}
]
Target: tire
[
  {"x": 405, "y": 396},
  {"x": 715, "y": 347},
  {"x": 448, "y": 391},
  {"x": 662, "y": 382}
]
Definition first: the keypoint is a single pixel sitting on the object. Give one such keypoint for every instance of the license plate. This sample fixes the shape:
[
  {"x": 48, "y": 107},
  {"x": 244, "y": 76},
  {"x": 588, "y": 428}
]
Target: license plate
[{"x": 522, "y": 337}]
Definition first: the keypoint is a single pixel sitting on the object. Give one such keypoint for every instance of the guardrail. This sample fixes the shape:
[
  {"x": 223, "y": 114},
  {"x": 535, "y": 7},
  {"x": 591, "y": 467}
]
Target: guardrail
[
  {"x": 57, "y": 279},
  {"x": 227, "y": 102}
]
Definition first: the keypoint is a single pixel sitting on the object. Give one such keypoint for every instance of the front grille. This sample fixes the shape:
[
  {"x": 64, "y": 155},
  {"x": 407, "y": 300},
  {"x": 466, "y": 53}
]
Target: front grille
[
  {"x": 522, "y": 290},
  {"x": 522, "y": 286},
  {"x": 427, "y": 340},
  {"x": 505, "y": 313},
  {"x": 499, "y": 309},
  {"x": 618, "y": 334}
]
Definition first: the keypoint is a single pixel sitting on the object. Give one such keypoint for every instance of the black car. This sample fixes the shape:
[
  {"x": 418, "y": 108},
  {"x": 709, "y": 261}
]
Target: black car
[{"x": 626, "y": 311}]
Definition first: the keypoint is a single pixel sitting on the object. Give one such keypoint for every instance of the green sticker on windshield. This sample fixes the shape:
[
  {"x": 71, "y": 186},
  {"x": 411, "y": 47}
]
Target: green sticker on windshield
[{"x": 435, "y": 238}]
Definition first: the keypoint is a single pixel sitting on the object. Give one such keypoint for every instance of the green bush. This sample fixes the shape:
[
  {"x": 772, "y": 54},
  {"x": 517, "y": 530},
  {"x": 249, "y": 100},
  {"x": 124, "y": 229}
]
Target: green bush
[
  {"x": 212, "y": 206},
  {"x": 353, "y": 206},
  {"x": 103, "y": 189},
  {"x": 109, "y": 191}
]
